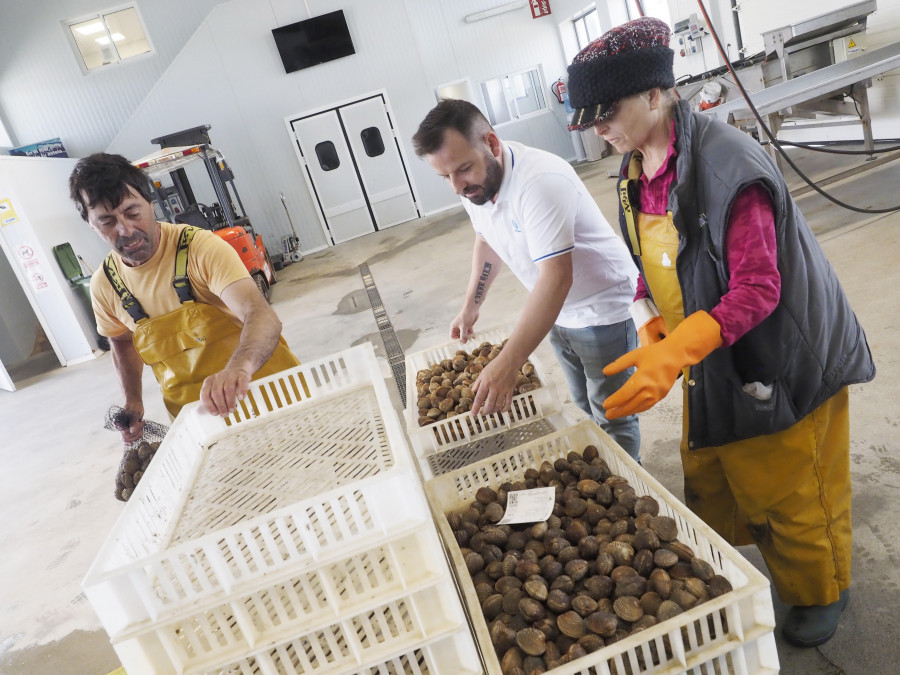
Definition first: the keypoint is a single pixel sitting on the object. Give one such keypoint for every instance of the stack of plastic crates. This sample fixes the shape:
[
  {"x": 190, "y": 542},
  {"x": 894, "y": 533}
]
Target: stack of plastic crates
[
  {"x": 732, "y": 633},
  {"x": 452, "y": 443},
  {"x": 291, "y": 537}
]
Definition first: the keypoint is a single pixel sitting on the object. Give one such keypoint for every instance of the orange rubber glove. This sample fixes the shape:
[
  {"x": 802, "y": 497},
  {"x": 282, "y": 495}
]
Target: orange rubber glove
[
  {"x": 658, "y": 364},
  {"x": 651, "y": 326}
]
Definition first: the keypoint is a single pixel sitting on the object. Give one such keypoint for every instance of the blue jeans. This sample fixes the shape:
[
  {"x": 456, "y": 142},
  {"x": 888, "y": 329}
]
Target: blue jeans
[{"x": 583, "y": 353}]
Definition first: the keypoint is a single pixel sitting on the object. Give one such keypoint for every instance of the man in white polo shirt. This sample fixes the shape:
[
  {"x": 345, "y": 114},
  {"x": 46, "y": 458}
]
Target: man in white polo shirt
[{"x": 531, "y": 211}]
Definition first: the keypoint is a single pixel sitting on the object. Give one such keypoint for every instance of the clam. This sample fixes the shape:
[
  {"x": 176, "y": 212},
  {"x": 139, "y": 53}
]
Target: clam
[
  {"x": 536, "y": 589},
  {"x": 664, "y": 558},
  {"x": 646, "y": 621},
  {"x": 531, "y": 641},
  {"x": 719, "y": 585},
  {"x": 696, "y": 587},
  {"x": 511, "y": 600},
  {"x": 493, "y": 512},
  {"x": 599, "y": 586},
  {"x": 628, "y": 608},
  {"x": 646, "y": 539},
  {"x": 634, "y": 586},
  {"x": 681, "y": 549},
  {"x": 531, "y": 609},
  {"x": 570, "y": 623},
  {"x": 584, "y": 605},
  {"x": 668, "y": 609},
  {"x": 650, "y": 602},
  {"x": 577, "y": 569},
  {"x": 681, "y": 570},
  {"x": 683, "y": 598},
  {"x": 661, "y": 582},
  {"x": 601, "y": 623},
  {"x": 502, "y": 637},
  {"x": 512, "y": 660},
  {"x": 474, "y": 562},
  {"x": 492, "y": 606},
  {"x": 621, "y": 552},
  {"x": 702, "y": 569},
  {"x": 558, "y": 601},
  {"x": 643, "y": 562},
  {"x": 665, "y": 527},
  {"x": 646, "y": 504}
]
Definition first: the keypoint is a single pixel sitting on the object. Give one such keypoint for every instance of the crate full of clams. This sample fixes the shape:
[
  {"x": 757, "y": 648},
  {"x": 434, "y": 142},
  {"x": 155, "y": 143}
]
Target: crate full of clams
[
  {"x": 292, "y": 536},
  {"x": 620, "y": 578},
  {"x": 445, "y": 435}
]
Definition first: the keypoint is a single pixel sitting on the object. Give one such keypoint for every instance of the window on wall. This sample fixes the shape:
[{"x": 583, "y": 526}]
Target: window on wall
[
  {"x": 587, "y": 28},
  {"x": 514, "y": 96},
  {"x": 108, "y": 37},
  {"x": 626, "y": 10}
]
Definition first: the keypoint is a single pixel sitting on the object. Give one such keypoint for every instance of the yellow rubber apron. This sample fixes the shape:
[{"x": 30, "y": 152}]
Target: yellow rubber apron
[
  {"x": 788, "y": 492},
  {"x": 189, "y": 344}
]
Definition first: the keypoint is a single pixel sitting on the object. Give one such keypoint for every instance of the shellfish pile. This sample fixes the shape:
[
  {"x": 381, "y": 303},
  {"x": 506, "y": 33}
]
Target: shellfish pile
[
  {"x": 444, "y": 389},
  {"x": 135, "y": 461},
  {"x": 605, "y": 565}
]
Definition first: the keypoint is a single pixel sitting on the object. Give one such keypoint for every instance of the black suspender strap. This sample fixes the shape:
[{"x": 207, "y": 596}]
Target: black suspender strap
[
  {"x": 627, "y": 192},
  {"x": 180, "y": 283},
  {"x": 129, "y": 302}
]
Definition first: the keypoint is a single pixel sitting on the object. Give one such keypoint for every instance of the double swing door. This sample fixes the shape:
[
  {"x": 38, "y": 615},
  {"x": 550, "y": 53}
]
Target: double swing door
[{"x": 354, "y": 168}]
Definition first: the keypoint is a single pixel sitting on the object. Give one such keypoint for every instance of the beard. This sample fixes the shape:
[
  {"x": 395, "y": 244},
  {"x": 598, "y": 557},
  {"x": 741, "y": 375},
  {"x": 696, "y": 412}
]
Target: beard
[
  {"x": 138, "y": 254},
  {"x": 482, "y": 194}
]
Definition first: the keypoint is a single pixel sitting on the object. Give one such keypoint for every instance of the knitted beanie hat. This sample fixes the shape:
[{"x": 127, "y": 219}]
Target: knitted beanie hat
[{"x": 626, "y": 60}]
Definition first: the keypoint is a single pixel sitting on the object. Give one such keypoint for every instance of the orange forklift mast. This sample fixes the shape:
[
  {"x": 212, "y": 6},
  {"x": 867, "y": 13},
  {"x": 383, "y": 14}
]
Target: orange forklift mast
[{"x": 226, "y": 217}]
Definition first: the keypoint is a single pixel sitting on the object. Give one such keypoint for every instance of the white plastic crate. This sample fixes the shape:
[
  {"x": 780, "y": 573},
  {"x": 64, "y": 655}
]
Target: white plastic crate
[
  {"x": 729, "y": 634},
  {"x": 336, "y": 618},
  {"x": 299, "y": 514},
  {"x": 467, "y": 429},
  {"x": 458, "y": 456}
]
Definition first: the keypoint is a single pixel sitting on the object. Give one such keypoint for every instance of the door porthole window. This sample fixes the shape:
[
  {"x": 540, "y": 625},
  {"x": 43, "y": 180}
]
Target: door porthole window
[
  {"x": 327, "y": 156},
  {"x": 372, "y": 141}
]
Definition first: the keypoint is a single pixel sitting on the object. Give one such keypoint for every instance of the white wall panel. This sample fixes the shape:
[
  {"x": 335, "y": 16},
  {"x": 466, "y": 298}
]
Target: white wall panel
[
  {"x": 43, "y": 93},
  {"x": 406, "y": 47}
]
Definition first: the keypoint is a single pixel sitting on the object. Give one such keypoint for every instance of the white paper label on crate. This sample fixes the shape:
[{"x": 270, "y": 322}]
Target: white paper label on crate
[{"x": 529, "y": 506}]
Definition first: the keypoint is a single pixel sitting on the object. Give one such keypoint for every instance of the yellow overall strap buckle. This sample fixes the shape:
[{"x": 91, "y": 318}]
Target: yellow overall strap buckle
[
  {"x": 129, "y": 302},
  {"x": 628, "y": 188},
  {"x": 180, "y": 282}
]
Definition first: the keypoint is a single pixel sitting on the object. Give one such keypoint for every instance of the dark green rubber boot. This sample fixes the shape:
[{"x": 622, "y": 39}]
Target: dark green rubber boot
[{"x": 816, "y": 624}]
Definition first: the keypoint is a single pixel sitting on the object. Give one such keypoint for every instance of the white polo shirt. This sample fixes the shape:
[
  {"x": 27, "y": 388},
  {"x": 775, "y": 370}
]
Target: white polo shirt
[{"x": 544, "y": 210}]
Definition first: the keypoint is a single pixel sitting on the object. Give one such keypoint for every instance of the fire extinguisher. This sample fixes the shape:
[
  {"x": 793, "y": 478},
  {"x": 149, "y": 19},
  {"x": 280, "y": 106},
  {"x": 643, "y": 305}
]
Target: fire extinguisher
[{"x": 559, "y": 89}]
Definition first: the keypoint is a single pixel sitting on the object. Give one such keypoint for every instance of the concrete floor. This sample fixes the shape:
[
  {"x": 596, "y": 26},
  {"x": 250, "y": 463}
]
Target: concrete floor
[{"x": 58, "y": 463}]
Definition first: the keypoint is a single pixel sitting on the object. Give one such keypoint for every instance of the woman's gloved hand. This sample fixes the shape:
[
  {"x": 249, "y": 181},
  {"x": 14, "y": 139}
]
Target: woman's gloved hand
[
  {"x": 651, "y": 327},
  {"x": 658, "y": 364}
]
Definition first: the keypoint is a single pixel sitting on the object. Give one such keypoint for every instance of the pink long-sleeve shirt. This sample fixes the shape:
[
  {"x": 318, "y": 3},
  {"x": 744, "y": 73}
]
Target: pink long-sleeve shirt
[{"x": 754, "y": 284}]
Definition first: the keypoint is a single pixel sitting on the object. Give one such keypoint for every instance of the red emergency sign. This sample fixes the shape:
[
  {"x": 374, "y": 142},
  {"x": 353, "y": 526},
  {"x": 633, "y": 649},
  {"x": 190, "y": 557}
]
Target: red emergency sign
[{"x": 539, "y": 8}]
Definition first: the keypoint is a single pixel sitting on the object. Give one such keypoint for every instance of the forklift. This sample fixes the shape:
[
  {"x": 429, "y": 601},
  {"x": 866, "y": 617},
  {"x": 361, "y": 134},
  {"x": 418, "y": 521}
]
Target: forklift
[{"x": 226, "y": 217}]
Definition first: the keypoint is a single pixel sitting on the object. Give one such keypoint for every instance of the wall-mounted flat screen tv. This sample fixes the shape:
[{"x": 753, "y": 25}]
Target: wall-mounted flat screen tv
[{"x": 313, "y": 41}]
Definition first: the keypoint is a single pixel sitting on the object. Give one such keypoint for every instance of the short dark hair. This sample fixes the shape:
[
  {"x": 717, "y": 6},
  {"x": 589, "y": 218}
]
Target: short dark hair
[
  {"x": 450, "y": 113},
  {"x": 105, "y": 179}
]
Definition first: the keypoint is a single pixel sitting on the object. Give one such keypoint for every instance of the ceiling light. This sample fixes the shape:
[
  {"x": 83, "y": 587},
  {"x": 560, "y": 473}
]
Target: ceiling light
[
  {"x": 105, "y": 40},
  {"x": 494, "y": 11},
  {"x": 90, "y": 28}
]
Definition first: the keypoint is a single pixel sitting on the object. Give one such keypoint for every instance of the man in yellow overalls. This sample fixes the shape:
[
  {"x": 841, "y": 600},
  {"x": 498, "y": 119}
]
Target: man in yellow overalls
[{"x": 175, "y": 297}]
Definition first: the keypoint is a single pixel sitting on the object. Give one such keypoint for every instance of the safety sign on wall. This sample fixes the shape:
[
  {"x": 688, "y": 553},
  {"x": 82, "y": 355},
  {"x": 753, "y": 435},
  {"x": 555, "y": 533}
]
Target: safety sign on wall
[
  {"x": 31, "y": 265},
  {"x": 540, "y": 8},
  {"x": 7, "y": 213}
]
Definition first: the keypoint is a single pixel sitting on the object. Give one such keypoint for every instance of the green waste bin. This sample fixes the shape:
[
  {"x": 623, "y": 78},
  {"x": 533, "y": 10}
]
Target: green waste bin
[{"x": 80, "y": 283}]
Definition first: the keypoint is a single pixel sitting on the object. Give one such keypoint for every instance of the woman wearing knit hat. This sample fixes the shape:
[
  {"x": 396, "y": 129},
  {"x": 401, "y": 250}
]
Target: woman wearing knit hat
[{"x": 738, "y": 296}]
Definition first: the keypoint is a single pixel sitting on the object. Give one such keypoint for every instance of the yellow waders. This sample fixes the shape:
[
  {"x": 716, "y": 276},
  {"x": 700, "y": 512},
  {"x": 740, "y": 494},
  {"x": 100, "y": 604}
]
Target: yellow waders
[
  {"x": 187, "y": 345},
  {"x": 789, "y": 490}
]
